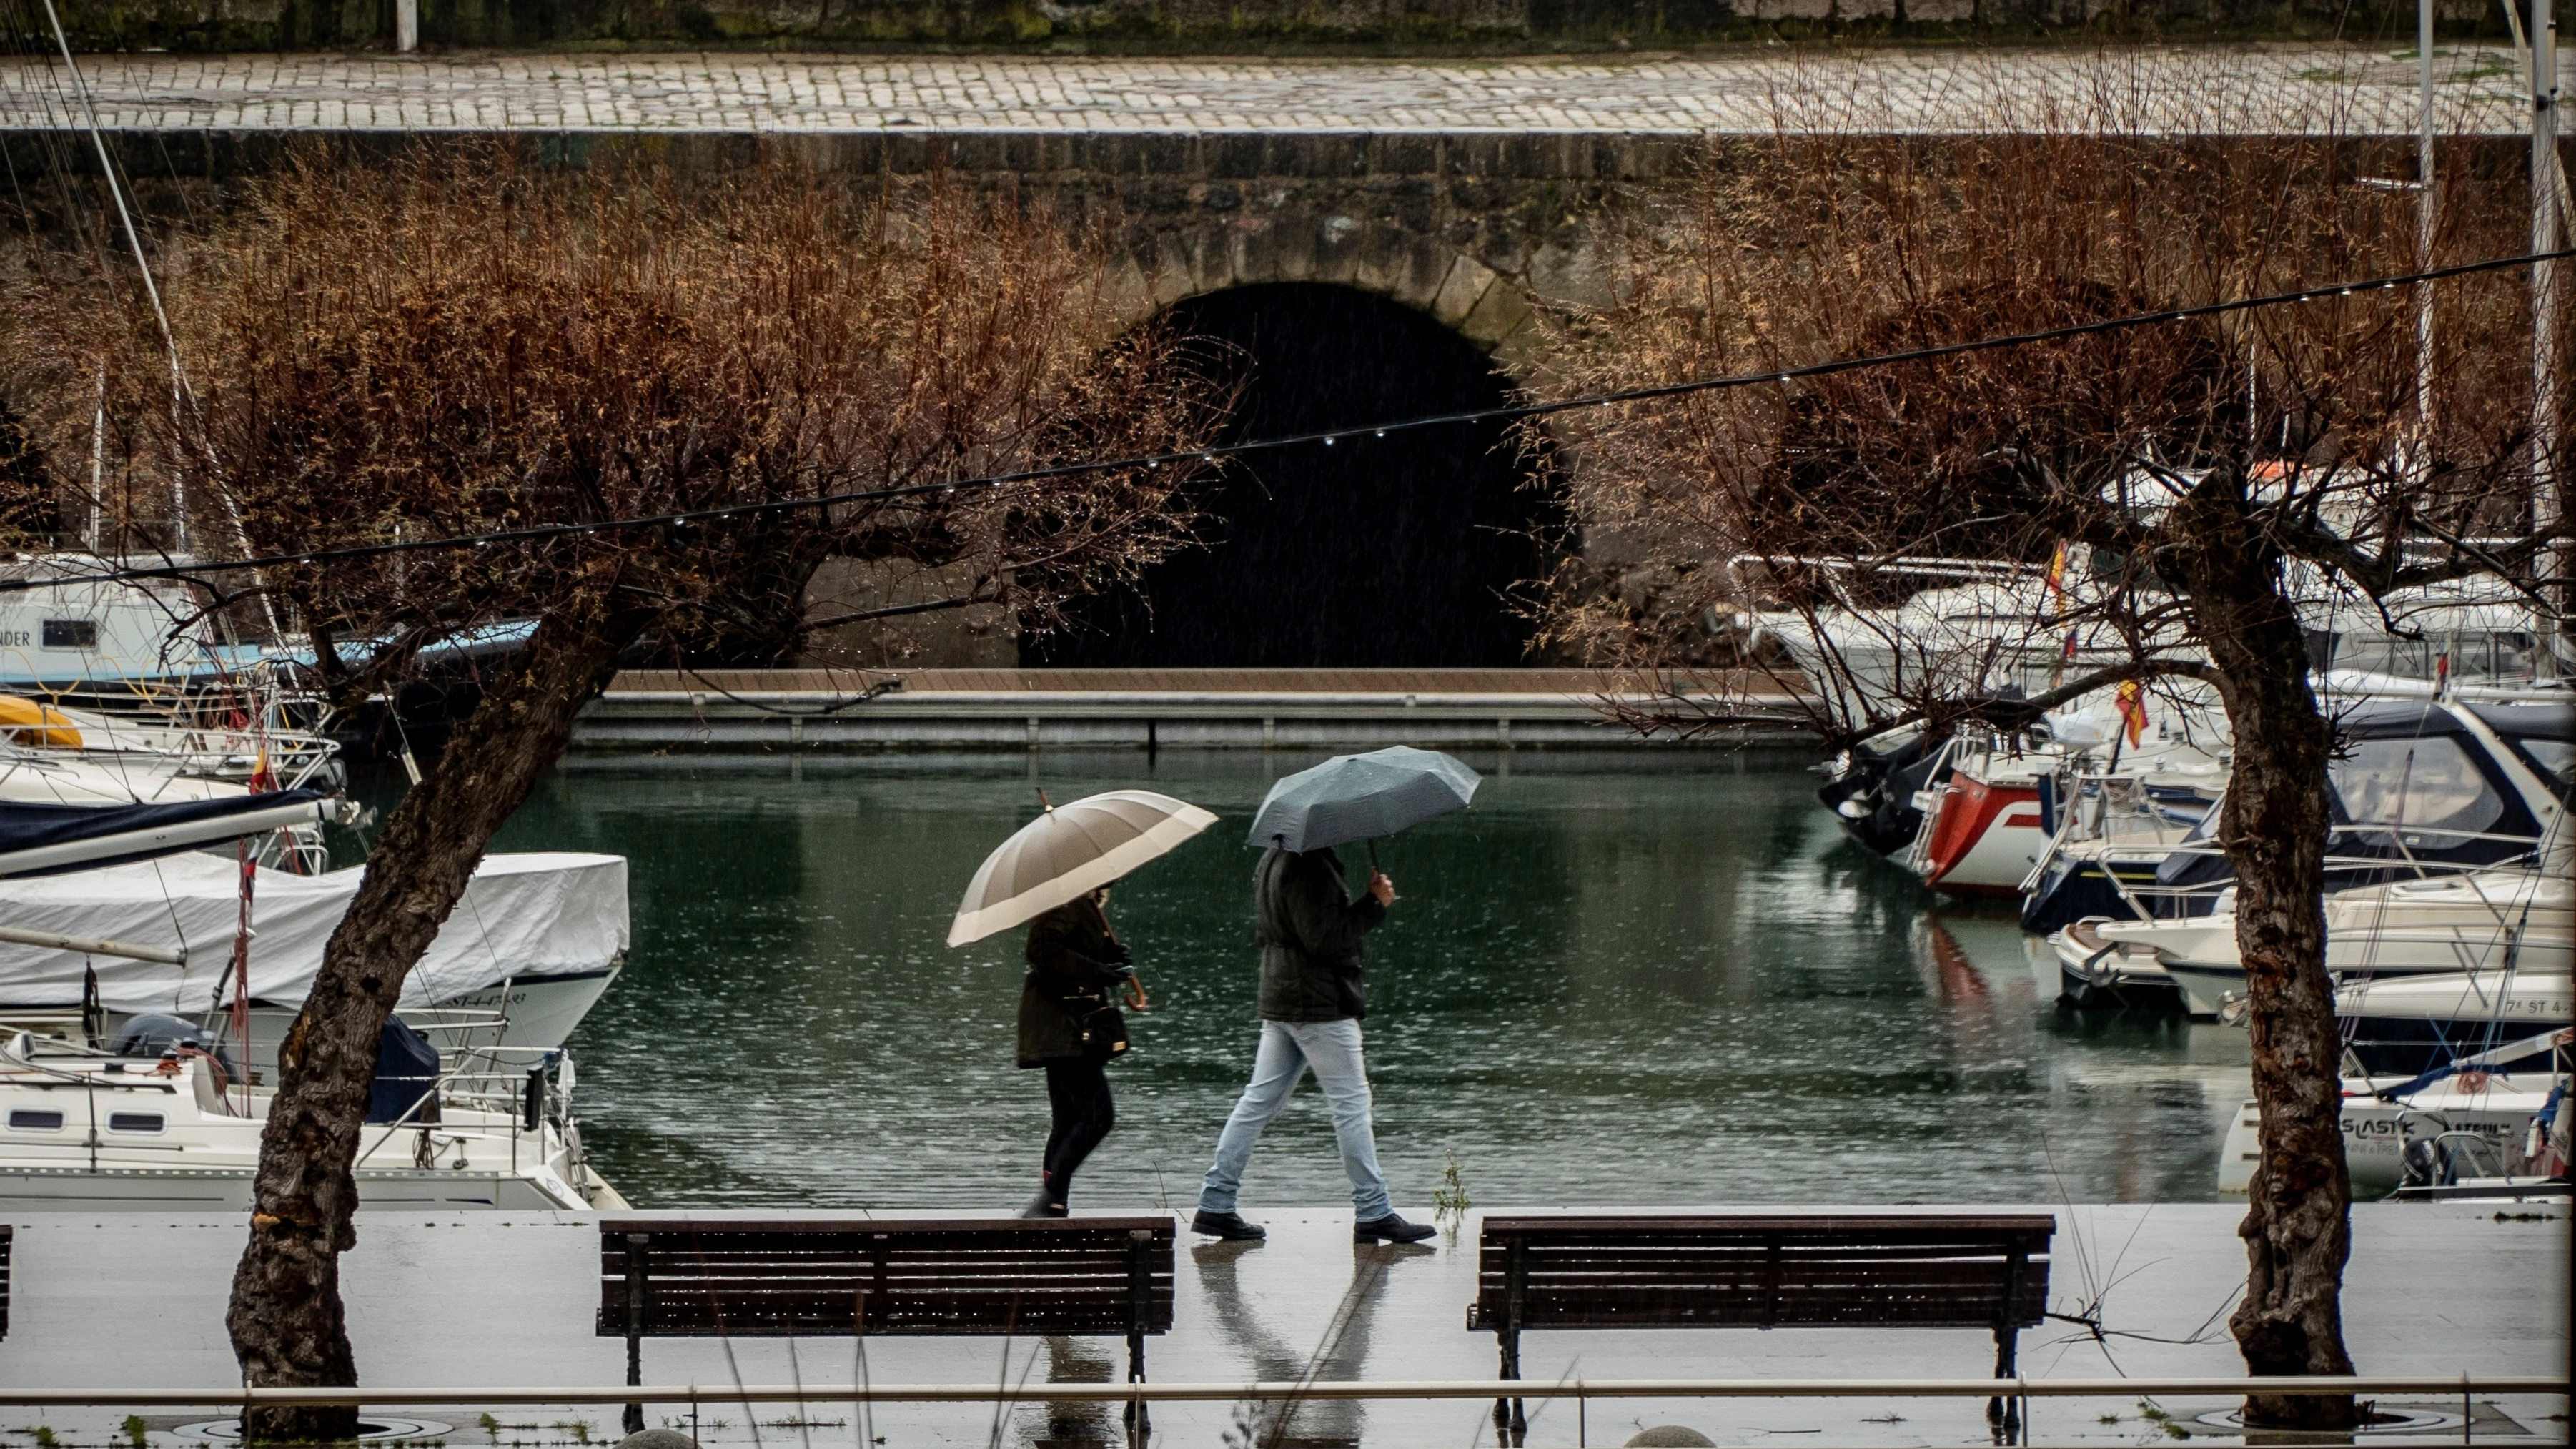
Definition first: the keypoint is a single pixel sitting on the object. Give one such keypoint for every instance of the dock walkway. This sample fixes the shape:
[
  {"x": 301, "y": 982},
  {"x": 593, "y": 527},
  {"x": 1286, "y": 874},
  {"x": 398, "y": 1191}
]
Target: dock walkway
[
  {"x": 988, "y": 709},
  {"x": 136, "y": 1300}
]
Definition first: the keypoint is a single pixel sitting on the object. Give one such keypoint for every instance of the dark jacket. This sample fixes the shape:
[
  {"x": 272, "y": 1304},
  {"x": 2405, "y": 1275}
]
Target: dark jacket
[
  {"x": 1310, "y": 931},
  {"x": 1073, "y": 969}
]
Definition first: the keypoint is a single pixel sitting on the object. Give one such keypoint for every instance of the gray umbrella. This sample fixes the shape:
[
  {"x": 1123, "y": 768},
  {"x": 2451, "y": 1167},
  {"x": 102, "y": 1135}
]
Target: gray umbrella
[{"x": 1357, "y": 797}]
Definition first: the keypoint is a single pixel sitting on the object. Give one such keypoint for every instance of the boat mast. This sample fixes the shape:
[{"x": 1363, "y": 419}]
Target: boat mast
[
  {"x": 2544, "y": 327},
  {"x": 2425, "y": 215}
]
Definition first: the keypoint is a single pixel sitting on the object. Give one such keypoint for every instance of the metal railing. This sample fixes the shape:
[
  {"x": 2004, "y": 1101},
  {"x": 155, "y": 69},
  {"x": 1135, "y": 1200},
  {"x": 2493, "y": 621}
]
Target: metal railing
[{"x": 2446, "y": 1385}]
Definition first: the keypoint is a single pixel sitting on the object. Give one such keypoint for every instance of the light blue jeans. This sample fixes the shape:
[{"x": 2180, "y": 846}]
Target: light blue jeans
[{"x": 1288, "y": 1048}]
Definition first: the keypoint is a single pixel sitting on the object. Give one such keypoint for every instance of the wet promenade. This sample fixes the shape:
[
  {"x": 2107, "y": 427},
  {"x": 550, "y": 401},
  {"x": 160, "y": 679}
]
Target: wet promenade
[
  {"x": 137, "y": 1300},
  {"x": 2201, "y": 90}
]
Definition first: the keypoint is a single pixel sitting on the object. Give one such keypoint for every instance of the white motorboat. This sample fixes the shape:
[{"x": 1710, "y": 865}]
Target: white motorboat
[
  {"x": 1971, "y": 813},
  {"x": 2484, "y": 922},
  {"x": 2005, "y": 801},
  {"x": 2419, "y": 787},
  {"x": 2411, "y": 1025},
  {"x": 87, "y": 1130},
  {"x": 538, "y": 938},
  {"x": 73, "y": 637},
  {"x": 2506, "y": 1131}
]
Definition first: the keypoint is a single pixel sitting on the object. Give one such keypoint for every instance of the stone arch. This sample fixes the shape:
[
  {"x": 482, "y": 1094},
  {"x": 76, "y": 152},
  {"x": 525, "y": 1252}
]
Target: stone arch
[
  {"x": 1409, "y": 549},
  {"x": 1448, "y": 283}
]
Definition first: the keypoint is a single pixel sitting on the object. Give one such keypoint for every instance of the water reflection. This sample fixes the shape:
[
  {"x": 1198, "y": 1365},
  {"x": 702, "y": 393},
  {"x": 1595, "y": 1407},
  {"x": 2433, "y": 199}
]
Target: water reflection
[
  {"x": 1617, "y": 979},
  {"x": 1341, "y": 1354},
  {"x": 1082, "y": 1425}
]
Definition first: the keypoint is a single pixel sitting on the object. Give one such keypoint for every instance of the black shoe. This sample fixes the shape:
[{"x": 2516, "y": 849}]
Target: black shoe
[
  {"x": 1039, "y": 1207},
  {"x": 1391, "y": 1228},
  {"x": 1230, "y": 1226}
]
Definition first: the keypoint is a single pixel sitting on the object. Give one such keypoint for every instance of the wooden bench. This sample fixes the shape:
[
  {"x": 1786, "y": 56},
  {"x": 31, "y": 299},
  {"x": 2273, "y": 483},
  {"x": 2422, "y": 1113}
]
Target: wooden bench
[
  {"x": 672, "y": 1275},
  {"x": 8, "y": 1236},
  {"x": 1762, "y": 1270}
]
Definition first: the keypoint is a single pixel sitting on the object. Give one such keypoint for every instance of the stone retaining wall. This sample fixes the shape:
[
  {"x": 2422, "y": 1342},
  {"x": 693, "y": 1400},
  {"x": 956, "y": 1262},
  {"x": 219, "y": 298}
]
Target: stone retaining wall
[{"x": 1411, "y": 27}]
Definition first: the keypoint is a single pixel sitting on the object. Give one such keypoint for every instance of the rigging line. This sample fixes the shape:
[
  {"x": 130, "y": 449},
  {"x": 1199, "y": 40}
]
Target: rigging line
[
  {"x": 1214, "y": 452},
  {"x": 116, "y": 189},
  {"x": 180, "y": 388}
]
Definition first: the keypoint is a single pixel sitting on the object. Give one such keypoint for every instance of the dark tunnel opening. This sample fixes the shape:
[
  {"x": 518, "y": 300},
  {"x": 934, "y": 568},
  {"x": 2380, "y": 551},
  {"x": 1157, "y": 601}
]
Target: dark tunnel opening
[{"x": 1404, "y": 551}]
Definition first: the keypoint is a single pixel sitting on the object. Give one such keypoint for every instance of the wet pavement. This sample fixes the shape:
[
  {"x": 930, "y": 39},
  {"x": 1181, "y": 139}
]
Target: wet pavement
[{"x": 137, "y": 1300}]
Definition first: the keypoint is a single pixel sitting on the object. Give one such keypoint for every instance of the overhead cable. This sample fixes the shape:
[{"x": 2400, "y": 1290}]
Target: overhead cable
[{"x": 1511, "y": 413}]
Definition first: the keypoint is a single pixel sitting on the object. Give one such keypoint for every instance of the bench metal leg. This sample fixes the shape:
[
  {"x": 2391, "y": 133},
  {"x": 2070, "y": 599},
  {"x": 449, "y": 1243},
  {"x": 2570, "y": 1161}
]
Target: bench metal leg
[
  {"x": 1140, "y": 1319},
  {"x": 634, "y": 1418},
  {"x": 1139, "y": 1425},
  {"x": 1510, "y": 1423},
  {"x": 2006, "y": 1411}
]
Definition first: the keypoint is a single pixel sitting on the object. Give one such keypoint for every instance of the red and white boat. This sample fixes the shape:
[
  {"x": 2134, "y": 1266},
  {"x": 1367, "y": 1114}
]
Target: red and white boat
[{"x": 1996, "y": 810}]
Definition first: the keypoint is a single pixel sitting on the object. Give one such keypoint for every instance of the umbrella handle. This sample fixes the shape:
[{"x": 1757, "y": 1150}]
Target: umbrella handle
[{"x": 1372, "y": 852}]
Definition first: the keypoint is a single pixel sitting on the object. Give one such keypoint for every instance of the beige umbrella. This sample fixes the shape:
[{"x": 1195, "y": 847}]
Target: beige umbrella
[{"x": 1070, "y": 851}]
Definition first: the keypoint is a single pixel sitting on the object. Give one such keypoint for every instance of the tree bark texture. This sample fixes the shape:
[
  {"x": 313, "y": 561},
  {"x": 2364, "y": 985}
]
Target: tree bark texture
[
  {"x": 285, "y": 1318},
  {"x": 2273, "y": 825}
]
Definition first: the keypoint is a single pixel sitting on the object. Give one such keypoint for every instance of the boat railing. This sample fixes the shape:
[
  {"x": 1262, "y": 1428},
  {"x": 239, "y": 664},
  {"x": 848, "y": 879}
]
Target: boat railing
[
  {"x": 1566, "y": 1390},
  {"x": 471, "y": 1077}
]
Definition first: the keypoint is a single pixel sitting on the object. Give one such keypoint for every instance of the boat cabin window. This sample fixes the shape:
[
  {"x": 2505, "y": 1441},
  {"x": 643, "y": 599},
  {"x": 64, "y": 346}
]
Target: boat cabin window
[
  {"x": 71, "y": 633},
  {"x": 2430, "y": 784},
  {"x": 31, "y": 1119},
  {"x": 134, "y": 1122}
]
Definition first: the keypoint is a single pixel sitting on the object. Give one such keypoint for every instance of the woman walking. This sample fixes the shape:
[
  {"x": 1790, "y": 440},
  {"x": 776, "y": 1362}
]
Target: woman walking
[{"x": 1071, "y": 1026}]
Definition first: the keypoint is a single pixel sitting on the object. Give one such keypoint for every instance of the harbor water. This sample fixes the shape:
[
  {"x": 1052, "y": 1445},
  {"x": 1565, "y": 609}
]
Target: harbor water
[{"x": 1631, "y": 978}]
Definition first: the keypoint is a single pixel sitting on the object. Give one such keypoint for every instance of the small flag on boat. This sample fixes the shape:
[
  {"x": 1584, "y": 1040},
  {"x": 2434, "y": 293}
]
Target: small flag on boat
[{"x": 2133, "y": 708}]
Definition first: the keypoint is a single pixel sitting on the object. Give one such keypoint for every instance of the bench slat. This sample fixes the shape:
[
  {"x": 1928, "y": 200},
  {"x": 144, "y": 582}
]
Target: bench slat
[
  {"x": 836, "y": 1314},
  {"x": 1706, "y": 1270},
  {"x": 727, "y": 1276}
]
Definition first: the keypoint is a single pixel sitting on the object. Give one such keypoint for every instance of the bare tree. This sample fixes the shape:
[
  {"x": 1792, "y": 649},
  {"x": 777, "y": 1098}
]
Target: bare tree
[
  {"x": 457, "y": 345},
  {"x": 2218, "y": 470}
]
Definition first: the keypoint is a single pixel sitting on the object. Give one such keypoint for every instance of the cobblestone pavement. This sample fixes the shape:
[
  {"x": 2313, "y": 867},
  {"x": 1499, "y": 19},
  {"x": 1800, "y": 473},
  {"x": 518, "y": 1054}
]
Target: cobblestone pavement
[{"x": 2206, "y": 90}]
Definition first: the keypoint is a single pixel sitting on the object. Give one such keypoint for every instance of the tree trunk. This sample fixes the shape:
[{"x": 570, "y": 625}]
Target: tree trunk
[
  {"x": 2273, "y": 825},
  {"x": 286, "y": 1320}
]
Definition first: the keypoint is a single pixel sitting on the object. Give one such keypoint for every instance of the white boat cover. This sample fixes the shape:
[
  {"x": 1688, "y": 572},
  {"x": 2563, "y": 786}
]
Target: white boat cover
[{"x": 523, "y": 915}]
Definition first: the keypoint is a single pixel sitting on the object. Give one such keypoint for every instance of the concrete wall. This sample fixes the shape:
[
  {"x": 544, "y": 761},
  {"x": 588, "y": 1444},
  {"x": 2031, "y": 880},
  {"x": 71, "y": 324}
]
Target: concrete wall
[{"x": 1182, "y": 26}]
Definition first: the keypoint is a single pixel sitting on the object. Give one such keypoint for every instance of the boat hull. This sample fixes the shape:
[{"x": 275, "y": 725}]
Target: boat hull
[
  {"x": 2094, "y": 971},
  {"x": 1981, "y": 838},
  {"x": 2376, "y": 1133},
  {"x": 543, "y": 1010}
]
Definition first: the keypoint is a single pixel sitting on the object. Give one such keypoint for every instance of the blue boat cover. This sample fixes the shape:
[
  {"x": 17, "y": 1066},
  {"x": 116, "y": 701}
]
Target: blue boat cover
[
  {"x": 406, "y": 1071},
  {"x": 34, "y": 826}
]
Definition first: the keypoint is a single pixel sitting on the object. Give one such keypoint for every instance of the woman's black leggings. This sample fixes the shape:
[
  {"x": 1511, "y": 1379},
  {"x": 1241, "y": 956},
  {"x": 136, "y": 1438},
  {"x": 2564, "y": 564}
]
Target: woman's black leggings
[{"x": 1078, "y": 1093}]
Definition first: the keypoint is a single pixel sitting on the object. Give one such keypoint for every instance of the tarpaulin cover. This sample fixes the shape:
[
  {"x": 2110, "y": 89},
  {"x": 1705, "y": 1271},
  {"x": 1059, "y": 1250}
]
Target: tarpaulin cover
[
  {"x": 523, "y": 915},
  {"x": 28, "y": 826},
  {"x": 406, "y": 1071}
]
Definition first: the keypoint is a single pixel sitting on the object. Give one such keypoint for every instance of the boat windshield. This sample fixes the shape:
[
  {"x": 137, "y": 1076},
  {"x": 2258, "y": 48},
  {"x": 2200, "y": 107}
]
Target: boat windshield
[
  {"x": 2554, "y": 760},
  {"x": 2430, "y": 784}
]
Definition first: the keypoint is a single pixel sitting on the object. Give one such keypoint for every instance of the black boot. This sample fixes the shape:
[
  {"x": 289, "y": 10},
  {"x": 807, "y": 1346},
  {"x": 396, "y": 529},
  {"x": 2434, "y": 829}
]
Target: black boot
[
  {"x": 1047, "y": 1204},
  {"x": 1392, "y": 1228},
  {"x": 1227, "y": 1225}
]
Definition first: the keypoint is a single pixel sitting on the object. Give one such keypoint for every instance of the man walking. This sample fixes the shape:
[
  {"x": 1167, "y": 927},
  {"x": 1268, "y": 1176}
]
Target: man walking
[{"x": 1311, "y": 1005}]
